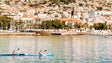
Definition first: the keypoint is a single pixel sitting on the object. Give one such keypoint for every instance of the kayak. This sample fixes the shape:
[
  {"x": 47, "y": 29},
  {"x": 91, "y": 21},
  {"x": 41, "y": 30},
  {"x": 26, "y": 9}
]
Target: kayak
[{"x": 26, "y": 54}]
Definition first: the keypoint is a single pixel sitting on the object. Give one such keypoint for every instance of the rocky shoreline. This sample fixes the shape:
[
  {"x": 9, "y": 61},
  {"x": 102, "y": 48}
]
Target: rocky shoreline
[
  {"x": 47, "y": 33},
  {"x": 17, "y": 34}
]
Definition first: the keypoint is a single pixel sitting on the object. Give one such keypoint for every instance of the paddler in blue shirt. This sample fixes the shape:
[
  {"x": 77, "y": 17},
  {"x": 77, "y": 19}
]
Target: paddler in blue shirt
[{"x": 40, "y": 54}]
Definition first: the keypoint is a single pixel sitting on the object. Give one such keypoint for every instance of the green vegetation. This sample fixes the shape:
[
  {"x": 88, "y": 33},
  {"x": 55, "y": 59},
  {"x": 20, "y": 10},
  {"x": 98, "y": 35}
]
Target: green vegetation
[
  {"x": 52, "y": 24},
  {"x": 7, "y": 2},
  {"x": 1, "y": 9},
  {"x": 64, "y": 1},
  {"x": 56, "y": 24},
  {"x": 78, "y": 25},
  {"x": 85, "y": 25},
  {"x": 5, "y": 22},
  {"x": 100, "y": 26}
]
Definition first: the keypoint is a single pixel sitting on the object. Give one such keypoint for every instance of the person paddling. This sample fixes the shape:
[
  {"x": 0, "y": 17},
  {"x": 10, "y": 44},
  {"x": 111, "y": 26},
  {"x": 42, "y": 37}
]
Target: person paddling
[
  {"x": 40, "y": 53},
  {"x": 16, "y": 51},
  {"x": 13, "y": 52}
]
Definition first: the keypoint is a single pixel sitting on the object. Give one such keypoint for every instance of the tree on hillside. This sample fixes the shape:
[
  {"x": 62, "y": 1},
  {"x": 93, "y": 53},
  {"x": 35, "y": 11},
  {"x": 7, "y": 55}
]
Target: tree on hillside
[
  {"x": 77, "y": 25},
  {"x": 85, "y": 25},
  {"x": 55, "y": 1},
  {"x": 52, "y": 24},
  {"x": 100, "y": 26},
  {"x": 7, "y": 2},
  {"x": 57, "y": 24},
  {"x": 64, "y": 1},
  {"x": 5, "y": 22},
  {"x": 46, "y": 25}
]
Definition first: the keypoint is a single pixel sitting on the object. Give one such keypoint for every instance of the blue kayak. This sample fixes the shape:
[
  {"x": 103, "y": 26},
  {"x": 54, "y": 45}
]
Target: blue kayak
[{"x": 26, "y": 54}]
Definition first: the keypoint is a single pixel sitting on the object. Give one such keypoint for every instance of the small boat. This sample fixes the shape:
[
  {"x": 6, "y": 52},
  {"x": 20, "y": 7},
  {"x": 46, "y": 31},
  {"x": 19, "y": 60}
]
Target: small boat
[{"x": 26, "y": 55}]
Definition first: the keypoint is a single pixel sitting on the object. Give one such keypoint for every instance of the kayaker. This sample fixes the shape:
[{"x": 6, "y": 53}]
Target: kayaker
[
  {"x": 40, "y": 54},
  {"x": 16, "y": 51},
  {"x": 13, "y": 52}
]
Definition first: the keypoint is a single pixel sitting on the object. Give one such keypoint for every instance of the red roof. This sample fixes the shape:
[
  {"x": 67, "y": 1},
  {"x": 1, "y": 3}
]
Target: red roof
[{"x": 70, "y": 20}]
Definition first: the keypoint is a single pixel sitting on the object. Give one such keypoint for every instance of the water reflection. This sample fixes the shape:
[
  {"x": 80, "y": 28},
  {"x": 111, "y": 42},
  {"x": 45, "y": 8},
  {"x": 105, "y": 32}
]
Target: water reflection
[{"x": 67, "y": 49}]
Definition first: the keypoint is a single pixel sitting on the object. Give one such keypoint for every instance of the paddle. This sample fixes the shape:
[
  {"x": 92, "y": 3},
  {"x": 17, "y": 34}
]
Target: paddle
[
  {"x": 44, "y": 50},
  {"x": 18, "y": 49}
]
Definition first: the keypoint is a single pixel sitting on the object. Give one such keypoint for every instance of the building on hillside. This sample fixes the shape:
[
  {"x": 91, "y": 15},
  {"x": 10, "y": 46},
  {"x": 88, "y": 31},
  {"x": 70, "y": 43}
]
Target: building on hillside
[
  {"x": 92, "y": 13},
  {"x": 70, "y": 21}
]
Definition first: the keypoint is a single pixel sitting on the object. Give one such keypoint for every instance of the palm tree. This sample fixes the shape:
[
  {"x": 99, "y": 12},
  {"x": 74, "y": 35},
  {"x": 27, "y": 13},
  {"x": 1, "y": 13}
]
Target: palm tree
[{"x": 85, "y": 25}]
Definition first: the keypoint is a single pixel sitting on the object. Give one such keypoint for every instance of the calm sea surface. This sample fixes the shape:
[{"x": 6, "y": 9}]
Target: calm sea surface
[{"x": 67, "y": 49}]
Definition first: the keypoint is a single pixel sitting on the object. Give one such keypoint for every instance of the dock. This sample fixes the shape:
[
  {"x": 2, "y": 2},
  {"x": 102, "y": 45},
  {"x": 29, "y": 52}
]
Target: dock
[{"x": 63, "y": 33}]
